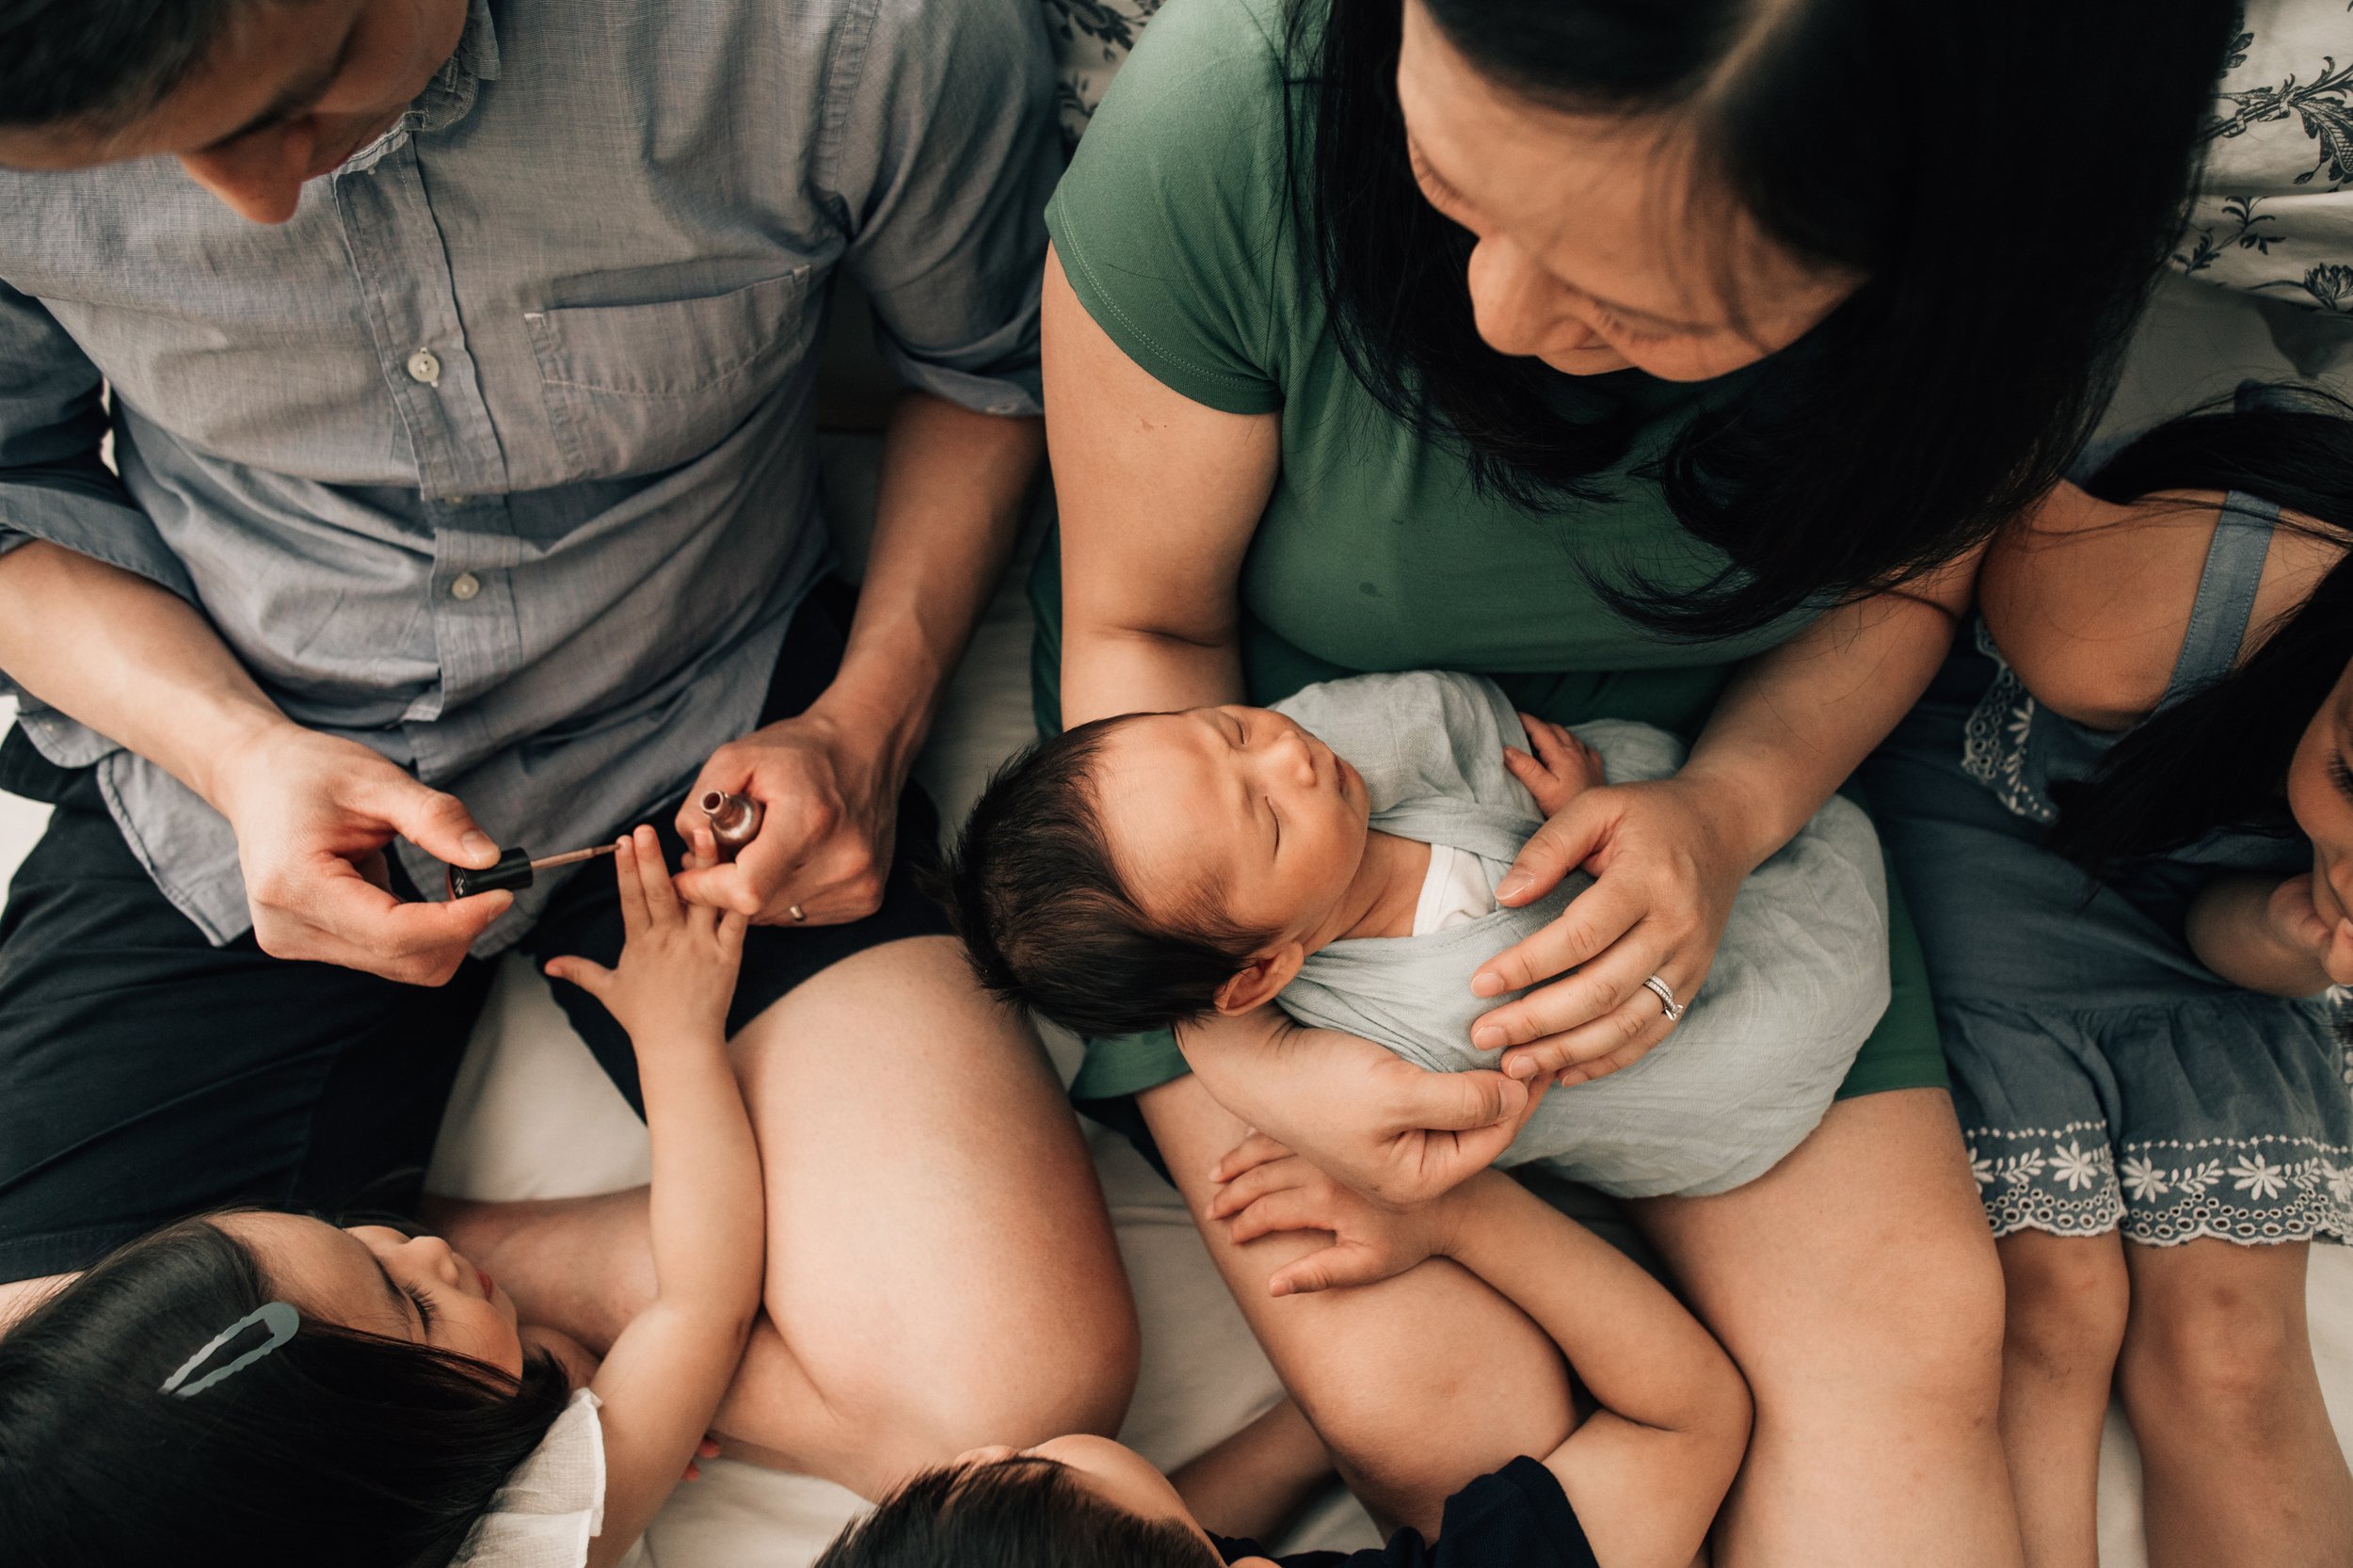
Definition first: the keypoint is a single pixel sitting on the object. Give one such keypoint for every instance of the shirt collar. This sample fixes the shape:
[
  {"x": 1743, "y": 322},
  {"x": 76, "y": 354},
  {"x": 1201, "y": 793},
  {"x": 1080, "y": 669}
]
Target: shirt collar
[{"x": 448, "y": 98}]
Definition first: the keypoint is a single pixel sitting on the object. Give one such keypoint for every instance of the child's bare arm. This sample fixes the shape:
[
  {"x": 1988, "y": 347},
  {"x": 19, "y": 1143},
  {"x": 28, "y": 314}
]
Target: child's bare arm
[
  {"x": 2265, "y": 934},
  {"x": 662, "y": 1379},
  {"x": 1646, "y": 1472}
]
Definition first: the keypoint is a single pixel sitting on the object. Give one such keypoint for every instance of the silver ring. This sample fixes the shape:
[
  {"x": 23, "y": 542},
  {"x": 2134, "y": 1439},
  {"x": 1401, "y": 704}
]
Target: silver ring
[
  {"x": 800, "y": 914},
  {"x": 1665, "y": 993}
]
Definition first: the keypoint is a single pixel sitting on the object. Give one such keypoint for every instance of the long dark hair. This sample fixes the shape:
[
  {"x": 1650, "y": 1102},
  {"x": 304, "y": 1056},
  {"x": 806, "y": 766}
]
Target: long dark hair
[
  {"x": 2007, "y": 175},
  {"x": 338, "y": 1447},
  {"x": 2218, "y": 758}
]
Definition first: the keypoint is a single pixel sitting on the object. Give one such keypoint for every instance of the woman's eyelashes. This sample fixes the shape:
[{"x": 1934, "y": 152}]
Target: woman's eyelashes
[{"x": 423, "y": 1304}]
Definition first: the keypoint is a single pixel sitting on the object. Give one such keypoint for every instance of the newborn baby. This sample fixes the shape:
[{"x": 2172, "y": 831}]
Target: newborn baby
[{"x": 1338, "y": 853}]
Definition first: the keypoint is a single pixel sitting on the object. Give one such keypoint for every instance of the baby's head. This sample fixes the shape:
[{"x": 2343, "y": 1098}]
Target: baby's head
[
  {"x": 264, "y": 1387},
  {"x": 1142, "y": 870},
  {"x": 1076, "y": 1502}
]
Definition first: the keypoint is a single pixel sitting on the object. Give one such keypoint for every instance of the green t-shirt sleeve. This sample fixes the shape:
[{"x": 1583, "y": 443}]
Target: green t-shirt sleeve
[{"x": 1170, "y": 219}]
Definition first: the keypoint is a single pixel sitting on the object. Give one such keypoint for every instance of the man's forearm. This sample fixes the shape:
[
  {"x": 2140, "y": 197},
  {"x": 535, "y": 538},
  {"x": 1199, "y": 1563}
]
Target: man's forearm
[
  {"x": 132, "y": 661},
  {"x": 954, "y": 487}
]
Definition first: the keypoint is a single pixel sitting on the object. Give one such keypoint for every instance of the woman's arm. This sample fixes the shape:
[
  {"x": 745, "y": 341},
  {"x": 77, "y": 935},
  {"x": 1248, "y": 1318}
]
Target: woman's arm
[
  {"x": 1159, "y": 497},
  {"x": 662, "y": 1379},
  {"x": 1669, "y": 857}
]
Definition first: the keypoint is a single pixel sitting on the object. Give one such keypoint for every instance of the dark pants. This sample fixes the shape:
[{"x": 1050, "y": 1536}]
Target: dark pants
[{"x": 146, "y": 1074}]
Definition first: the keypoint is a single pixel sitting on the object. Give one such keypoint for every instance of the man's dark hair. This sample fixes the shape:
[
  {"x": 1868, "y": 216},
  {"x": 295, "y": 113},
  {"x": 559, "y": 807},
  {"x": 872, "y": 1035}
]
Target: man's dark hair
[
  {"x": 337, "y": 1446},
  {"x": 99, "y": 62},
  {"x": 1017, "y": 1512},
  {"x": 1945, "y": 149},
  {"x": 1032, "y": 889}
]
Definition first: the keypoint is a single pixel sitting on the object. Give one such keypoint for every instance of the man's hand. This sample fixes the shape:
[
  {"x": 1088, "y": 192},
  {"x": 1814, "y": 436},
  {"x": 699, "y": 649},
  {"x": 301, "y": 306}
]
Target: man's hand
[
  {"x": 828, "y": 789},
  {"x": 1398, "y": 1133},
  {"x": 1270, "y": 1188},
  {"x": 312, "y": 814}
]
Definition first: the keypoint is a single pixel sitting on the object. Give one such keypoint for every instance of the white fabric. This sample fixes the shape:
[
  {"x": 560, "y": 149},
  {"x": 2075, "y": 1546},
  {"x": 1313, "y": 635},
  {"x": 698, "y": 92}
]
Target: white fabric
[
  {"x": 1454, "y": 891},
  {"x": 553, "y": 1504}
]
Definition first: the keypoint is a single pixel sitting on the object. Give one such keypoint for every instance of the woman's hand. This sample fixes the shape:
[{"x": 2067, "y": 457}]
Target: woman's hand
[
  {"x": 678, "y": 961},
  {"x": 828, "y": 789},
  {"x": 1270, "y": 1190},
  {"x": 1665, "y": 878},
  {"x": 1398, "y": 1133}
]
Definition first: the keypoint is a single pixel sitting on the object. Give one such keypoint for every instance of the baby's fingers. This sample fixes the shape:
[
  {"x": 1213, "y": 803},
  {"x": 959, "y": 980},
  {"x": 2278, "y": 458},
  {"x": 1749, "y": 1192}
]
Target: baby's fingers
[
  {"x": 1289, "y": 1209},
  {"x": 1254, "y": 1184},
  {"x": 588, "y": 975},
  {"x": 1256, "y": 1149},
  {"x": 654, "y": 879},
  {"x": 1342, "y": 1263}
]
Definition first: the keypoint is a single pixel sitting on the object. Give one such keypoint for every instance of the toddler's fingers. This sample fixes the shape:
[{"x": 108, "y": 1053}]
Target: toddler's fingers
[
  {"x": 1252, "y": 1185},
  {"x": 588, "y": 975},
  {"x": 633, "y": 890},
  {"x": 1340, "y": 1264},
  {"x": 1256, "y": 1149},
  {"x": 731, "y": 928},
  {"x": 654, "y": 879},
  {"x": 1289, "y": 1209}
]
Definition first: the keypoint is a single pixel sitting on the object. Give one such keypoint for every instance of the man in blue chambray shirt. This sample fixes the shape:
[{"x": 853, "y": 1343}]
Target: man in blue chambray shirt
[{"x": 458, "y": 360}]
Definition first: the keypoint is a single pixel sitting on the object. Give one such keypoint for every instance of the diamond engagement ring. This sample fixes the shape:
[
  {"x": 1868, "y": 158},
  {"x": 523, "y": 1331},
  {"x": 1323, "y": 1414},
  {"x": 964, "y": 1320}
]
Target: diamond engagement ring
[{"x": 1665, "y": 993}]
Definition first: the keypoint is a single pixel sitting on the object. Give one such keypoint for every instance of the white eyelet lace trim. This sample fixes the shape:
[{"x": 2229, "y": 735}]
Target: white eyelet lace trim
[
  {"x": 2066, "y": 1180},
  {"x": 1993, "y": 741}
]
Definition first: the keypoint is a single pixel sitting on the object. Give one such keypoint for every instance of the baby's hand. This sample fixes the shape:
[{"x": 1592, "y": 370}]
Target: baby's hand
[
  {"x": 1275, "y": 1189},
  {"x": 678, "y": 962},
  {"x": 1560, "y": 768},
  {"x": 2298, "y": 922}
]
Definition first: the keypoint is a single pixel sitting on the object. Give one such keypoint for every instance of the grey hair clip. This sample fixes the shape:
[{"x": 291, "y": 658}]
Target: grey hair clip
[{"x": 279, "y": 1319}]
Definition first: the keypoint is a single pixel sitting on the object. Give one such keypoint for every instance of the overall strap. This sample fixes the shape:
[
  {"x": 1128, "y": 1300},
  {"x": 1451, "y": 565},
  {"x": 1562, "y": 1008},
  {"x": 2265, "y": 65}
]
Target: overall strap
[{"x": 2226, "y": 596}]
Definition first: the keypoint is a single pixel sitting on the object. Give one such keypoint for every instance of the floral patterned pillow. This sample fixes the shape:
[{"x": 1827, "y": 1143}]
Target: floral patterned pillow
[
  {"x": 2274, "y": 211},
  {"x": 1091, "y": 38}
]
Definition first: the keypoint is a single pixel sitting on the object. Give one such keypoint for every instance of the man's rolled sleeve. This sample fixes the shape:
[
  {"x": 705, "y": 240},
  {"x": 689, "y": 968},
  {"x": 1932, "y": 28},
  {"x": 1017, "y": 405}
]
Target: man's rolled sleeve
[
  {"x": 941, "y": 165},
  {"x": 54, "y": 486}
]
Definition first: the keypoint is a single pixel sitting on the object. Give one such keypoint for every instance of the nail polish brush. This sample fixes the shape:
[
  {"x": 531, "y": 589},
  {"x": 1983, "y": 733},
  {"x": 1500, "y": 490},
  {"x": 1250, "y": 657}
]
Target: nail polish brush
[{"x": 515, "y": 870}]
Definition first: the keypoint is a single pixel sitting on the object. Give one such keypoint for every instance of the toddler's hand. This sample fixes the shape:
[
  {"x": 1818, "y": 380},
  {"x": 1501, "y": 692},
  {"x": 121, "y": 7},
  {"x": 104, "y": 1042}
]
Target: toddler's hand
[
  {"x": 1559, "y": 768},
  {"x": 2297, "y": 921},
  {"x": 678, "y": 962},
  {"x": 1274, "y": 1189}
]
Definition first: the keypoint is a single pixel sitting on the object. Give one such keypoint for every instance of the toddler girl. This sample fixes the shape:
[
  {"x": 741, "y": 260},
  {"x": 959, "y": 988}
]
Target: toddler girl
[{"x": 257, "y": 1388}]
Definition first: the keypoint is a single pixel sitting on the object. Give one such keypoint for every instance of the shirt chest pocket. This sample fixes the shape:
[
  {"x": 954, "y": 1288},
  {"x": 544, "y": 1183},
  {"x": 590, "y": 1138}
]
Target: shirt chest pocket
[{"x": 634, "y": 389}]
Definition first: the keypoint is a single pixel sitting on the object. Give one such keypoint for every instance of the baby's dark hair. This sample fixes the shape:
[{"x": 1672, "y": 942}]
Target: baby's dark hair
[
  {"x": 337, "y": 1446},
  {"x": 1032, "y": 889},
  {"x": 1017, "y": 1512}
]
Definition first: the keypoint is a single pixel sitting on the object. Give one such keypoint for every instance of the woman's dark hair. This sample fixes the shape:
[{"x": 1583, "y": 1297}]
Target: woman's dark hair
[
  {"x": 1031, "y": 887},
  {"x": 2005, "y": 175},
  {"x": 338, "y": 1447},
  {"x": 1018, "y": 1513},
  {"x": 2218, "y": 758}
]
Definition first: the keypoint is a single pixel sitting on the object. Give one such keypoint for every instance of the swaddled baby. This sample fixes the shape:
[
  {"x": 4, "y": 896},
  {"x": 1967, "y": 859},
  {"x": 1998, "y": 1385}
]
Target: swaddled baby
[{"x": 1338, "y": 853}]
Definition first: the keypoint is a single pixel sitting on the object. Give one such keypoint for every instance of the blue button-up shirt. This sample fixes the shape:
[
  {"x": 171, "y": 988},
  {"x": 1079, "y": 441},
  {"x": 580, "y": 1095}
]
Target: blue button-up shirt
[{"x": 498, "y": 458}]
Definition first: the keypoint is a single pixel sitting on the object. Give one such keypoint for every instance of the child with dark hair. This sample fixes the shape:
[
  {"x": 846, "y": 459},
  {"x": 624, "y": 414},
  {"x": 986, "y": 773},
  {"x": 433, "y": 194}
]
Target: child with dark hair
[
  {"x": 257, "y": 1388},
  {"x": 1635, "y": 1486},
  {"x": 1340, "y": 853}
]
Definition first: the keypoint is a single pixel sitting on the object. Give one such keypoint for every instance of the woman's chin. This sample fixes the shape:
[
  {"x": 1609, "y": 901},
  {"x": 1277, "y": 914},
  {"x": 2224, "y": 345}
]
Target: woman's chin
[{"x": 1587, "y": 361}]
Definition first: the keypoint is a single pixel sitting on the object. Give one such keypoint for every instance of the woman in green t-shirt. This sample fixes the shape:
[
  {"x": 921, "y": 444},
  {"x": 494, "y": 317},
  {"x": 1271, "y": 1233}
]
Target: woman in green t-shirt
[{"x": 1743, "y": 377}]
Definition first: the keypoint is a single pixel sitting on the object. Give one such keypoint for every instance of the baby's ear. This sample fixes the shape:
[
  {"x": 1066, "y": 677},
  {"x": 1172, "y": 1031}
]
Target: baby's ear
[{"x": 1254, "y": 985}]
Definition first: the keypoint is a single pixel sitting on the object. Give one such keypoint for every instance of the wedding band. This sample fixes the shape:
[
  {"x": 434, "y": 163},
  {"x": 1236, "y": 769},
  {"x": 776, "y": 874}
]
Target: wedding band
[
  {"x": 1665, "y": 996},
  {"x": 800, "y": 914}
]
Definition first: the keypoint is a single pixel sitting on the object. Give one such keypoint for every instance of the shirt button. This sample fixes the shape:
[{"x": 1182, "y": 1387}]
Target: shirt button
[
  {"x": 426, "y": 366},
  {"x": 464, "y": 586}
]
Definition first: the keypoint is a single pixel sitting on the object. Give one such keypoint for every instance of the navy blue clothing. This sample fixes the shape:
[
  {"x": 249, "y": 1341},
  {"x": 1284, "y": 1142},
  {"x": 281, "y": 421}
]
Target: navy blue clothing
[{"x": 1517, "y": 1517}]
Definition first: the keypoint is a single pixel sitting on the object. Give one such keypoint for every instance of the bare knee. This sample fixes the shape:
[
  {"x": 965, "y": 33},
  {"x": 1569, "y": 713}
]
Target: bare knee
[
  {"x": 1925, "y": 1341},
  {"x": 2214, "y": 1357},
  {"x": 2067, "y": 1301}
]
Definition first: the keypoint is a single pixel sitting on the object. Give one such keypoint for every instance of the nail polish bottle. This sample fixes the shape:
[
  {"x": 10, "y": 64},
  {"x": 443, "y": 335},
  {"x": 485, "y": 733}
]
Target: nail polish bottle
[{"x": 734, "y": 819}]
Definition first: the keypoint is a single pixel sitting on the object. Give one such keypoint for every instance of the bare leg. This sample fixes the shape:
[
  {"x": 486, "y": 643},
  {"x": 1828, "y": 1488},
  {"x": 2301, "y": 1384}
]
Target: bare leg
[
  {"x": 2243, "y": 1469},
  {"x": 1416, "y": 1385},
  {"x": 1856, "y": 1286},
  {"x": 941, "y": 1273},
  {"x": 1255, "y": 1483},
  {"x": 2067, "y": 1300}
]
